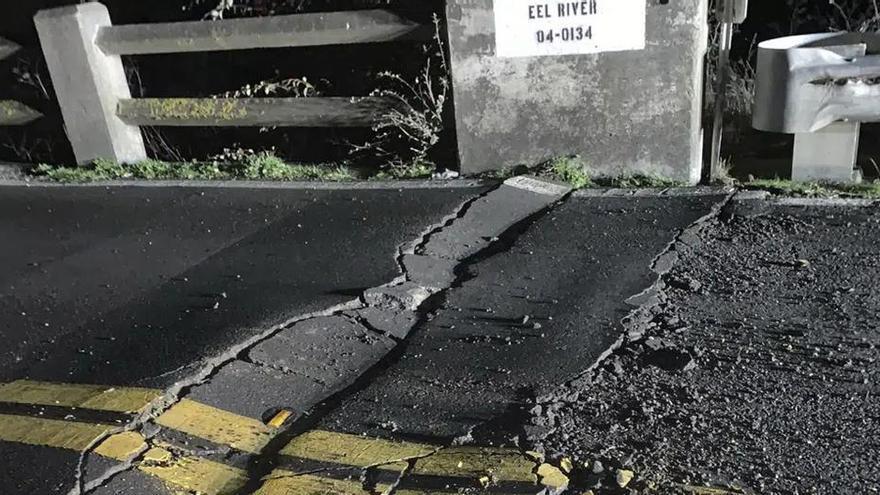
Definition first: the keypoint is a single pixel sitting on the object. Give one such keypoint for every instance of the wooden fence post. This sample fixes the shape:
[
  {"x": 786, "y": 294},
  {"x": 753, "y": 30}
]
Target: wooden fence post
[{"x": 89, "y": 83}]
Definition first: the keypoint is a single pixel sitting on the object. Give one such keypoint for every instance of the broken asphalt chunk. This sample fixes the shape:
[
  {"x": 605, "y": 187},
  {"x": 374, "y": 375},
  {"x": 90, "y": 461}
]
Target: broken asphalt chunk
[
  {"x": 396, "y": 323},
  {"x": 255, "y": 391},
  {"x": 333, "y": 351},
  {"x": 407, "y": 296},
  {"x": 490, "y": 216},
  {"x": 429, "y": 272}
]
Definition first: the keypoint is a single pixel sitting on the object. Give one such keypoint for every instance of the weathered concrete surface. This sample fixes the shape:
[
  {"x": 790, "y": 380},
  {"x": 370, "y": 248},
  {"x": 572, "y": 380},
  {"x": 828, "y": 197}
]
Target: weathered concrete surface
[
  {"x": 759, "y": 374},
  {"x": 624, "y": 112},
  {"x": 88, "y": 83},
  {"x": 523, "y": 321}
]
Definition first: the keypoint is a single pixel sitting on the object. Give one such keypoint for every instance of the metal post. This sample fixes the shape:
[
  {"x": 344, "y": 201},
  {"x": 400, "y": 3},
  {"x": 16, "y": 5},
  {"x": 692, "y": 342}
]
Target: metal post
[
  {"x": 728, "y": 12},
  {"x": 721, "y": 82}
]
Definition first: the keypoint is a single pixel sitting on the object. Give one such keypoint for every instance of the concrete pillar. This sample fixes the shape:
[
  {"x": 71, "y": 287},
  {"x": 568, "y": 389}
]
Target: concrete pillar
[
  {"x": 88, "y": 84},
  {"x": 629, "y": 109},
  {"x": 828, "y": 154}
]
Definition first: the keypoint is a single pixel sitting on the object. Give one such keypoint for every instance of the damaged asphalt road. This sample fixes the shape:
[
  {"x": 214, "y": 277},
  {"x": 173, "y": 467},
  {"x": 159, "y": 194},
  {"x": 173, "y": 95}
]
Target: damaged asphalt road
[
  {"x": 507, "y": 340},
  {"x": 141, "y": 287},
  {"x": 756, "y": 372}
]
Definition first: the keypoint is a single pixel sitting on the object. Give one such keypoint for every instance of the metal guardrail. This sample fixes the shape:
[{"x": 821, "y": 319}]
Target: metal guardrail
[
  {"x": 14, "y": 112},
  {"x": 83, "y": 49},
  {"x": 821, "y": 88}
]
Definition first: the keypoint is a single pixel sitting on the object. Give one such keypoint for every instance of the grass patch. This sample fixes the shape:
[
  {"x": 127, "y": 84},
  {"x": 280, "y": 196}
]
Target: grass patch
[
  {"x": 638, "y": 181},
  {"x": 257, "y": 166},
  {"x": 568, "y": 169},
  {"x": 232, "y": 165},
  {"x": 418, "y": 170},
  {"x": 573, "y": 171},
  {"x": 815, "y": 189}
]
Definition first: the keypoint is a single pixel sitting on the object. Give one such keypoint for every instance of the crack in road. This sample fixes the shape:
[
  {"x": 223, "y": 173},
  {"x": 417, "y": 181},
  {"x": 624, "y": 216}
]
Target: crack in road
[
  {"x": 401, "y": 295},
  {"x": 174, "y": 395},
  {"x": 502, "y": 242},
  {"x": 635, "y": 322}
]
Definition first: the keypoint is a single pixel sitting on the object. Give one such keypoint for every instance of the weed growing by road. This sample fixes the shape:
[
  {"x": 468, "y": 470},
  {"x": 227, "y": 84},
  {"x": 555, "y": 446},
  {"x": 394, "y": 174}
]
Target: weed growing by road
[
  {"x": 415, "y": 170},
  {"x": 405, "y": 135},
  {"x": 816, "y": 189},
  {"x": 568, "y": 169},
  {"x": 638, "y": 181},
  {"x": 253, "y": 166}
]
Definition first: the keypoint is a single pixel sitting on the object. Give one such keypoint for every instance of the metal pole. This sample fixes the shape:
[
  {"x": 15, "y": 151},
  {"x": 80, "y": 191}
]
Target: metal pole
[{"x": 721, "y": 81}]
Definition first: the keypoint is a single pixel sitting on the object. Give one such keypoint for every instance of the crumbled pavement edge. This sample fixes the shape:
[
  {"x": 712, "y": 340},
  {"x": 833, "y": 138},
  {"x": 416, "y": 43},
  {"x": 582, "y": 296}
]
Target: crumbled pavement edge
[
  {"x": 636, "y": 325},
  {"x": 401, "y": 296}
]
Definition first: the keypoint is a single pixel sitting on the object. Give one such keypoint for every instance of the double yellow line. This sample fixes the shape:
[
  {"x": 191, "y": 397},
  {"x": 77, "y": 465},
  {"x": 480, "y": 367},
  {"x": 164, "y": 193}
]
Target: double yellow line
[{"x": 475, "y": 466}]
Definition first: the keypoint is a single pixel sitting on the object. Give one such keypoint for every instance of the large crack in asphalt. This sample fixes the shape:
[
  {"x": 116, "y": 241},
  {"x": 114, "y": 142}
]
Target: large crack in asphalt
[
  {"x": 143, "y": 422},
  {"x": 270, "y": 458},
  {"x": 422, "y": 305}
]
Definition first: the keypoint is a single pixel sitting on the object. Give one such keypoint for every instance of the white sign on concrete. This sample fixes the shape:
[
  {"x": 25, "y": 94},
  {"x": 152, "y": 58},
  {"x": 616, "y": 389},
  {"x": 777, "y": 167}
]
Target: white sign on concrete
[{"x": 526, "y": 28}]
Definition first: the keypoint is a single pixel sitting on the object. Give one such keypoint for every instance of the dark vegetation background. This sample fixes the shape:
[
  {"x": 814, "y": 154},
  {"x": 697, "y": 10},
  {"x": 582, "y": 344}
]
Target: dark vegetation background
[{"x": 334, "y": 71}]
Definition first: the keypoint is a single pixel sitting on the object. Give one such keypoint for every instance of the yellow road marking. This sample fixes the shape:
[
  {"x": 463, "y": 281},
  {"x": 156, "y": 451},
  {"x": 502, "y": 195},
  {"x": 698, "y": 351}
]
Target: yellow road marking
[
  {"x": 352, "y": 450},
  {"x": 49, "y": 432},
  {"x": 187, "y": 416},
  {"x": 482, "y": 466},
  {"x": 280, "y": 482},
  {"x": 98, "y": 397},
  {"x": 193, "y": 474},
  {"x": 475, "y": 462},
  {"x": 69, "y": 436},
  {"x": 217, "y": 425},
  {"x": 121, "y": 446}
]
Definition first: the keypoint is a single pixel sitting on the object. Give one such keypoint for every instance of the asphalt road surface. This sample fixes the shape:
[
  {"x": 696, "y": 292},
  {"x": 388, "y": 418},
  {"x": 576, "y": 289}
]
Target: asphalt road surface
[
  {"x": 501, "y": 340},
  {"x": 136, "y": 286}
]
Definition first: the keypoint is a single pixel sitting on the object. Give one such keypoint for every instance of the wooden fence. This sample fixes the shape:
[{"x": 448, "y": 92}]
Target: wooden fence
[
  {"x": 102, "y": 119},
  {"x": 14, "y": 112}
]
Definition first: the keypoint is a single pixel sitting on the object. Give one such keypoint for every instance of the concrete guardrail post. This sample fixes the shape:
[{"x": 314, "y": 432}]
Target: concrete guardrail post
[{"x": 88, "y": 83}]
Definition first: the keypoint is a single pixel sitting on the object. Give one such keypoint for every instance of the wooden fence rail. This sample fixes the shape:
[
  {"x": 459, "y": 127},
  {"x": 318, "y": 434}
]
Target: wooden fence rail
[
  {"x": 334, "y": 28},
  {"x": 14, "y": 112},
  {"x": 263, "y": 112},
  {"x": 83, "y": 51}
]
